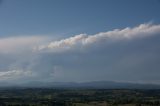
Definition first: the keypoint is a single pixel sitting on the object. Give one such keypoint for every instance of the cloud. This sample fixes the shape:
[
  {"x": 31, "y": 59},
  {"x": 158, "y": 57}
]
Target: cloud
[
  {"x": 129, "y": 54},
  {"x": 19, "y": 43},
  {"x": 83, "y": 40},
  {"x": 5, "y": 75}
]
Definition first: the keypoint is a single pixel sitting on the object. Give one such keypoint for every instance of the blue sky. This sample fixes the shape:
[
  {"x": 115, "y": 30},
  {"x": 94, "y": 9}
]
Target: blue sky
[
  {"x": 80, "y": 40},
  {"x": 30, "y": 17}
]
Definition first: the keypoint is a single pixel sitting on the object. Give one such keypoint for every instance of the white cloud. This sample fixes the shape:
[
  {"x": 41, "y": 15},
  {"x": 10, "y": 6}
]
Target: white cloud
[
  {"x": 64, "y": 44},
  {"x": 14, "y": 74},
  {"x": 19, "y": 43},
  {"x": 117, "y": 34}
]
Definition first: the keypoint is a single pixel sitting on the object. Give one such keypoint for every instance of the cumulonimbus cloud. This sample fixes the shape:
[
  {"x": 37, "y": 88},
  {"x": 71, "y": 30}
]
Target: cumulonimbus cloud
[{"x": 82, "y": 40}]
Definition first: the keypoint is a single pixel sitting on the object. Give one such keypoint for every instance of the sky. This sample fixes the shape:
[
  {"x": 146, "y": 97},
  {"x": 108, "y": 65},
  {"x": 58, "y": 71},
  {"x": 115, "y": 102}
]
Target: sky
[{"x": 80, "y": 40}]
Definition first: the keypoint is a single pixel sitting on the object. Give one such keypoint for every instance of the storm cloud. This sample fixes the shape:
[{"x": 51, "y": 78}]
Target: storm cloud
[{"x": 129, "y": 54}]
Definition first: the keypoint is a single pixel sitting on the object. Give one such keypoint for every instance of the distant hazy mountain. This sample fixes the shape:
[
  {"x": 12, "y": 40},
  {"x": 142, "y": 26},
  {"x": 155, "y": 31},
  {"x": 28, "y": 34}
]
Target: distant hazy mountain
[{"x": 94, "y": 85}]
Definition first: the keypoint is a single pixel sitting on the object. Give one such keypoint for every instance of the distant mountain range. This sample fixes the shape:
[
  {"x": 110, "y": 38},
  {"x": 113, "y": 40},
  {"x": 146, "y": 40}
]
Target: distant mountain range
[{"x": 89, "y": 85}]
